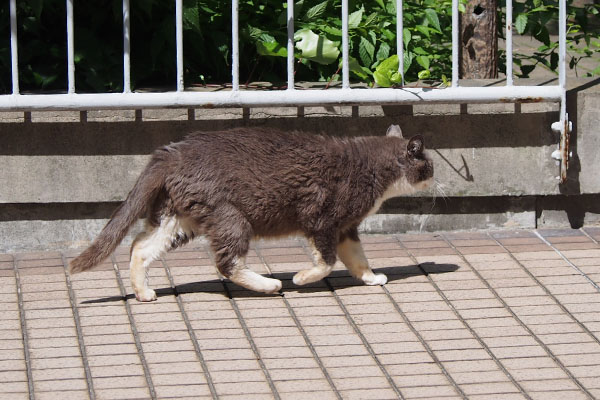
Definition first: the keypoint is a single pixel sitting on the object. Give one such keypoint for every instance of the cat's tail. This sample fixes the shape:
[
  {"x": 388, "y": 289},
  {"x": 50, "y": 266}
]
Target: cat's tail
[{"x": 142, "y": 195}]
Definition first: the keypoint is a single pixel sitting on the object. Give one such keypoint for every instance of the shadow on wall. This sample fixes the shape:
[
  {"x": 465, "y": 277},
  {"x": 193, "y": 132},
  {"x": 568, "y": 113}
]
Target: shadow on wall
[{"x": 142, "y": 137}]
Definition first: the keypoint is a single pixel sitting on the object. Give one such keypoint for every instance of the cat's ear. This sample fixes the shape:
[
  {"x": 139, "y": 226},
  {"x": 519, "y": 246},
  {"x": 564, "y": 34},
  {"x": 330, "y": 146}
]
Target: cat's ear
[
  {"x": 415, "y": 146},
  {"x": 394, "y": 130}
]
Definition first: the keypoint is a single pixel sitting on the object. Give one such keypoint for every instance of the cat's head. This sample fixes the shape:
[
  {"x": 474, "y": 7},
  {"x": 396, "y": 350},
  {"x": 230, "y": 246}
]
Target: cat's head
[{"x": 415, "y": 163}]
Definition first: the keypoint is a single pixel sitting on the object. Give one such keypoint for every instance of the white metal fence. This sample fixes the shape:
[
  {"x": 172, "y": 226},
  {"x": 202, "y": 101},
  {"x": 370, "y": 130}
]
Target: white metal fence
[{"x": 291, "y": 97}]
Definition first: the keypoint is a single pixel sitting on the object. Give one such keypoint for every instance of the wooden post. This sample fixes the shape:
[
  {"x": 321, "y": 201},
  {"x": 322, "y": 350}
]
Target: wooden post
[{"x": 479, "y": 40}]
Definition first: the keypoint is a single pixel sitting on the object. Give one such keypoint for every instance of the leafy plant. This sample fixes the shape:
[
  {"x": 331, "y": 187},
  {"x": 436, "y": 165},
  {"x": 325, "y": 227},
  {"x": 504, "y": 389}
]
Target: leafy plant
[
  {"x": 263, "y": 41},
  {"x": 539, "y": 17}
]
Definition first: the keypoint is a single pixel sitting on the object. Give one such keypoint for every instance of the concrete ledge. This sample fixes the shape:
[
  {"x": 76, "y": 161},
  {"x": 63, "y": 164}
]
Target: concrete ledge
[{"x": 71, "y": 225}]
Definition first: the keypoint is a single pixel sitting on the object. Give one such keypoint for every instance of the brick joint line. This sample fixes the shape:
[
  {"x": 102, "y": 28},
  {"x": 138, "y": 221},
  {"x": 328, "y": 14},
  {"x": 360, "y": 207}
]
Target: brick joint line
[
  {"x": 302, "y": 331},
  {"x": 191, "y": 332},
  {"x": 136, "y": 337},
  {"x": 80, "y": 339},
  {"x": 547, "y": 291},
  {"x": 253, "y": 346},
  {"x": 575, "y": 267},
  {"x": 24, "y": 333},
  {"x": 357, "y": 330},
  {"x": 464, "y": 322},
  {"x": 523, "y": 325}
]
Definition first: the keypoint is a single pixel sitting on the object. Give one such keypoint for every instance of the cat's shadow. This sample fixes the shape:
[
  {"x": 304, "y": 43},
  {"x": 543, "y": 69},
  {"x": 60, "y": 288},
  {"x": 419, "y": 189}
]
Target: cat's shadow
[{"x": 338, "y": 279}]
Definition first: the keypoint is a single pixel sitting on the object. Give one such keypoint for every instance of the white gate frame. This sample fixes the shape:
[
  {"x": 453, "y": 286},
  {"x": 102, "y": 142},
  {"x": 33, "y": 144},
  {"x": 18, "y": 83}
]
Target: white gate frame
[{"x": 293, "y": 97}]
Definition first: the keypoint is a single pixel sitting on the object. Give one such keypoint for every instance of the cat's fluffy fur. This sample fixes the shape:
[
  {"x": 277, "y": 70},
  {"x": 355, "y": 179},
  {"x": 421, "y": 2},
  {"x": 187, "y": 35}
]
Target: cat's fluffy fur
[{"x": 235, "y": 185}]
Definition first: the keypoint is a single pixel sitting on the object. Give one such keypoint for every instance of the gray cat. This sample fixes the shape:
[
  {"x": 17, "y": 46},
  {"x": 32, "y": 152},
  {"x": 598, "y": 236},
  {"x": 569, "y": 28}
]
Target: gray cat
[{"x": 235, "y": 185}]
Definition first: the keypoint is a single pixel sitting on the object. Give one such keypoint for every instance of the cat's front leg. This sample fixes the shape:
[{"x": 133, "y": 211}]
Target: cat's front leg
[
  {"x": 323, "y": 252},
  {"x": 352, "y": 255}
]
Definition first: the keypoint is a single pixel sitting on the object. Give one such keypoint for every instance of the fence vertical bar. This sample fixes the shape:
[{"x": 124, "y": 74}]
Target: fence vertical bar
[
  {"x": 565, "y": 127},
  {"x": 290, "y": 44},
  {"x": 562, "y": 43},
  {"x": 179, "y": 42},
  {"x": 14, "y": 52},
  {"x": 454, "y": 43},
  {"x": 400, "y": 37},
  {"x": 345, "y": 51},
  {"x": 235, "y": 46},
  {"x": 509, "y": 46},
  {"x": 70, "y": 49},
  {"x": 126, "y": 48}
]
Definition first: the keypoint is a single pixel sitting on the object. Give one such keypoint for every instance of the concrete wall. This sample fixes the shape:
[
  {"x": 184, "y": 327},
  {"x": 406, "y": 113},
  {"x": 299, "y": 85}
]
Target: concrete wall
[{"x": 62, "y": 174}]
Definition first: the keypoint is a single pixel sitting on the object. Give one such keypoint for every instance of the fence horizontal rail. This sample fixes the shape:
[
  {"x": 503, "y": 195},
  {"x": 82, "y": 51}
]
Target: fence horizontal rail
[{"x": 249, "y": 98}]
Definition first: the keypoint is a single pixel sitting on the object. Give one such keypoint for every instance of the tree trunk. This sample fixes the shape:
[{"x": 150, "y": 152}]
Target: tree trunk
[{"x": 479, "y": 40}]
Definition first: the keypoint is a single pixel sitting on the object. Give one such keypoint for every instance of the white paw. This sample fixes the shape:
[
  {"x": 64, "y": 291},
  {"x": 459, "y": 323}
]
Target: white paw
[
  {"x": 301, "y": 277},
  {"x": 146, "y": 295},
  {"x": 374, "y": 279},
  {"x": 271, "y": 286}
]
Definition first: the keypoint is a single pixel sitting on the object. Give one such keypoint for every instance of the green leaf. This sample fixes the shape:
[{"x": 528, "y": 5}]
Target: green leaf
[
  {"x": 521, "y": 23},
  {"x": 316, "y": 11},
  {"x": 396, "y": 78},
  {"x": 383, "y": 52},
  {"x": 366, "y": 50},
  {"x": 273, "y": 49},
  {"x": 355, "y": 18},
  {"x": 357, "y": 69},
  {"x": 433, "y": 19},
  {"x": 408, "y": 59},
  {"x": 595, "y": 72},
  {"x": 424, "y": 74},
  {"x": 384, "y": 71},
  {"x": 37, "y": 6},
  {"x": 423, "y": 61},
  {"x": 526, "y": 69},
  {"x": 191, "y": 18},
  {"x": 382, "y": 79},
  {"x": 553, "y": 61},
  {"x": 406, "y": 37},
  {"x": 381, "y": 4},
  {"x": 316, "y": 48}
]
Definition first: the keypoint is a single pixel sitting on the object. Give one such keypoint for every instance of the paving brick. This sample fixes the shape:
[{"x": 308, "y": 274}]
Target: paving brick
[
  {"x": 429, "y": 391},
  {"x": 406, "y": 381},
  {"x": 304, "y": 385},
  {"x": 123, "y": 393},
  {"x": 167, "y": 378},
  {"x": 247, "y": 388},
  {"x": 558, "y": 395},
  {"x": 66, "y": 394},
  {"x": 495, "y": 388}
]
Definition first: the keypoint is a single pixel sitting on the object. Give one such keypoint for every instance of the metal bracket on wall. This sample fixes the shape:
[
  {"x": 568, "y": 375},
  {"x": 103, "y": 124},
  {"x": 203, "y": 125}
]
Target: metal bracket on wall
[{"x": 563, "y": 153}]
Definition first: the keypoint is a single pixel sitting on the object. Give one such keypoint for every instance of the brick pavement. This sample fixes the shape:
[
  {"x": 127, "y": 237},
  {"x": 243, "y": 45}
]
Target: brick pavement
[{"x": 487, "y": 315}]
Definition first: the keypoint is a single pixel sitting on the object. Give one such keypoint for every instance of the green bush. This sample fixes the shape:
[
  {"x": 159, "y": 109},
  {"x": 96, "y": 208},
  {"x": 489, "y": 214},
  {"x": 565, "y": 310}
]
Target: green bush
[{"x": 263, "y": 38}]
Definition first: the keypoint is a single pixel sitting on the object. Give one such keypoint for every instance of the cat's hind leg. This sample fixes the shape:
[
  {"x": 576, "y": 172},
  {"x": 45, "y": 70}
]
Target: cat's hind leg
[
  {"x": 351, "y": 253},
  {"x": 151, "y": 245},
  {"x": 323, "y": 252},
  {"x": 230, "y": 239}
]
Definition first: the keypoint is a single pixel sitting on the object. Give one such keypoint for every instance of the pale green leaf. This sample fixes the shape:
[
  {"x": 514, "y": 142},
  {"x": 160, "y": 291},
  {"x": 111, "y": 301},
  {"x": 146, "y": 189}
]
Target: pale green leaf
[
  {"x": 432, "y": 18},
  {"x": 424, "y": 74},
  {"x": 521, "y": 23},
  {"x": 316, "y": 11},
  {"x": 273, "y": 49},
  {"x": 355, "y": 18},
  {"x": 406, "y": 37},
  {"x": 316, "y": 48},
  {"x": 423, "y": 61}
]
